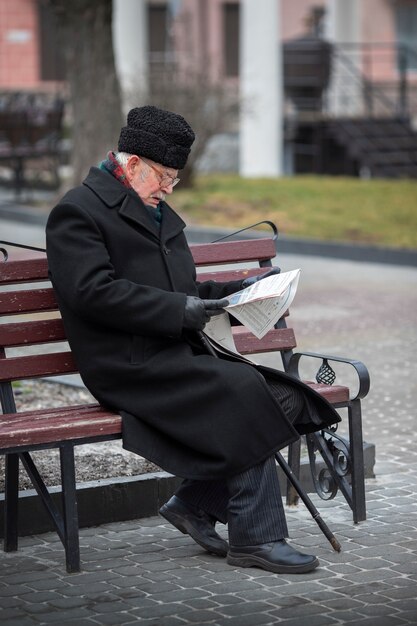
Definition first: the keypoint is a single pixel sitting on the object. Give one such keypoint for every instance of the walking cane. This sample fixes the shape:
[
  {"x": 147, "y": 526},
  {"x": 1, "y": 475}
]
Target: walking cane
[
  {"x": 310, "y": 506},
  {"x": 290, "y": 475}
]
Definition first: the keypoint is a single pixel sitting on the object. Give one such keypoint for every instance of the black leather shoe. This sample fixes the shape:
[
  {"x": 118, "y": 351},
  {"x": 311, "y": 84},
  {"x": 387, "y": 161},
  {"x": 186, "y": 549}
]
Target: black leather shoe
[
  {"x": 277, "y": 556},
  {"x": 196, "y": 523}
]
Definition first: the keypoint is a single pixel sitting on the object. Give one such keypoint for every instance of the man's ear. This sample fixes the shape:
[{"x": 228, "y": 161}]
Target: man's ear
[{"x": 132, "y": 164}]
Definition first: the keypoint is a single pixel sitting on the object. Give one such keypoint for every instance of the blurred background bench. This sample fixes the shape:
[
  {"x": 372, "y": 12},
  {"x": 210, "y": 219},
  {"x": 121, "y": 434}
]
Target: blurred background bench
[{"x": 31, "y": 127}]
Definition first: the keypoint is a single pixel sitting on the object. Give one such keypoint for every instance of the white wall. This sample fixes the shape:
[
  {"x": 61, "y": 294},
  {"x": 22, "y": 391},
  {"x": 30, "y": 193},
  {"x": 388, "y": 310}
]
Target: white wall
[
  {"x": 261, "y": 89},
  {"x": 130, "y": 43},
  {"x": 343, "y": 25}
]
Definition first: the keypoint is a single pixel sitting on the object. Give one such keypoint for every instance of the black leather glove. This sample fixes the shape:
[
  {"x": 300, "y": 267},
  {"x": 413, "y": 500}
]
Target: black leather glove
[
  {"x": 198, "y": 312},
  {"x": 247, "y": 282}
]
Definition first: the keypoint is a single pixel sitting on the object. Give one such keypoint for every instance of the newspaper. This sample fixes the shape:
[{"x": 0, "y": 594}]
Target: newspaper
[{"x": 257, "y": 307}]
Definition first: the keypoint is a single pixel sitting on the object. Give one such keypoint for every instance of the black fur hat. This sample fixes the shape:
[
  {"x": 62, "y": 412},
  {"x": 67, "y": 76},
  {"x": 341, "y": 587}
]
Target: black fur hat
[{"x": 162, "y": 136}]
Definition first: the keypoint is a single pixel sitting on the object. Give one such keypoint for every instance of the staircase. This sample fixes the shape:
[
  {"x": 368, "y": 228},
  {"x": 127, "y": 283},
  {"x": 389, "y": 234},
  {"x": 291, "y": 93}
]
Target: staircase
[
  {"x": 344, "y": 122},
  {"x": 382, "y": 147}
]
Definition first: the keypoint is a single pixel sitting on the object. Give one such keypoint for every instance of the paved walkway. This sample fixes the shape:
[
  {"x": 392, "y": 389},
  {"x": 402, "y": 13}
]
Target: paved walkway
[{"x": 147, "y": 572}]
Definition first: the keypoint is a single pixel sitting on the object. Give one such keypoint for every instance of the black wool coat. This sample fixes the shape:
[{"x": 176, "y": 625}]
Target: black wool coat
[{"x": 121, "y": 285}]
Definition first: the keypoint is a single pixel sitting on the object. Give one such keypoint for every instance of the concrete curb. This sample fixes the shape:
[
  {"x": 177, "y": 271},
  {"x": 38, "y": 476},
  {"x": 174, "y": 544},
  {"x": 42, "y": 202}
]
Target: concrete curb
[
  {"x": 293, "y": 245},
  {"x": 285, "y": 244},
  {"x": 22, "y": 214},
  {"x": 128, "y": 498}
]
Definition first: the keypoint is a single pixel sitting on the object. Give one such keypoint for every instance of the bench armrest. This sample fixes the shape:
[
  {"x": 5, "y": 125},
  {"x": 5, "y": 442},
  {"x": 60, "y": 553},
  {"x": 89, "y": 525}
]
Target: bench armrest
[{"x": 325, "y": 373}]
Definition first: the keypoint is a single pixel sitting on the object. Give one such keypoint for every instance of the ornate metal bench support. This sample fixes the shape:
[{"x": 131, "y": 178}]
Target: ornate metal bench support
[
  {"x": 343, "y": 458},
  {"x": 344, "y": 461}
]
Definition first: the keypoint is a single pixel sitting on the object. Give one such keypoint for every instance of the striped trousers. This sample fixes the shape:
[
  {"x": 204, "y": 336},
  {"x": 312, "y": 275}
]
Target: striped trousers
[{"x": 250, "y": 502}]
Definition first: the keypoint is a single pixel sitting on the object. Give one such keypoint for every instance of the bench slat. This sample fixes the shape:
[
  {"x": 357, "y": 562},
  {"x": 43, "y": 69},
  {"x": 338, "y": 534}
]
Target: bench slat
[
  {"x": 92, "y": 407},
  {"x": 48, "y": 331},
  {"x": 22, "y": 271},
  {"x": 47, "y": 426},
  {"x": 276, "y": 339},
  {"x": 33, "y": 300},
  {"x": 233, "y": 251},
  {"x": 41, "y": 427},
  {"x": 34, "y": 366},
  {"x": 333, "y": 393},
  {"x": 28, "y": 301},
  {"x": 36, "y": 269},
  {"x": 31, "y": 333},
  {"x": 226, "y": 275}
]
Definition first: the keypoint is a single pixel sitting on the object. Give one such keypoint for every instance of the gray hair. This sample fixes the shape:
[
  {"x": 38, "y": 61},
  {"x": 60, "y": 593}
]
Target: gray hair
[{"x": 122, "y": 158}]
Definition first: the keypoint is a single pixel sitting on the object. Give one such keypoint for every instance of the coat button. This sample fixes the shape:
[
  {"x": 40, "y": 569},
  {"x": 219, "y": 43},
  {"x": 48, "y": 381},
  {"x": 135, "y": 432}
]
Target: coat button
[{"x": 166, "y": 250}]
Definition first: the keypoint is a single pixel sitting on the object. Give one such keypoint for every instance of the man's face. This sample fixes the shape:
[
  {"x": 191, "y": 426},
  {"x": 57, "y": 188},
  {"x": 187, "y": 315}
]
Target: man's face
[{"x": 150, "y": 180}]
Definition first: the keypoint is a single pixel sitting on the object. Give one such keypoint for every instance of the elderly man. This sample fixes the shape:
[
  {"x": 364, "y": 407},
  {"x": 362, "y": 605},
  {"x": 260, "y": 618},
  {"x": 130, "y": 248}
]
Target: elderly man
[{"x": 133, "y": 311}]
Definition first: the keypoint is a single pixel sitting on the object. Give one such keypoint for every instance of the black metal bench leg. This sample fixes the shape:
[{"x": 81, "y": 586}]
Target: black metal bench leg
[
  {"x": 56, "y": 164},
  {"x": 69, "y": 505},
  {"x": 11, "y": 502},
  {"x": 18, "y": 176},
  {"x": 357, "y": 463},
  {"x": 294, "y": 460}
]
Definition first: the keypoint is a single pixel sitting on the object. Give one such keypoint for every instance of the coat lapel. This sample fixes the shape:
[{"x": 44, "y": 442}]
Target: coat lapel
[
  {"x": 133, "y": 210},
  {"x": 131, "y": 207},
  {"x": 172, "y": 225},
  {"x": 110, "y": 191}
]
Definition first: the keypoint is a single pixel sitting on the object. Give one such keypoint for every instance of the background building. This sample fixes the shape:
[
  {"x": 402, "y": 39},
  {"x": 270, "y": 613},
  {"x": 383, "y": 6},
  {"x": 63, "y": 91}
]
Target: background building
[{"x": 349, "y": 69}]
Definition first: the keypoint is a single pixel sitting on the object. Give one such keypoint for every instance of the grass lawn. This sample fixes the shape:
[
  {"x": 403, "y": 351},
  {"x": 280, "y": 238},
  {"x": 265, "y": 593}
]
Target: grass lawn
[{"x": 380, "y": 212}]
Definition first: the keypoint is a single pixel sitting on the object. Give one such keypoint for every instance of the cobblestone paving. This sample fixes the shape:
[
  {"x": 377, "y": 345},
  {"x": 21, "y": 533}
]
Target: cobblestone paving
[{"x": 147, "y": 572}]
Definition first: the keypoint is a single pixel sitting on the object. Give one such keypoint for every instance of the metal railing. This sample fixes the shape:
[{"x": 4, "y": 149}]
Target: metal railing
[
  {"x": 373, "y": 79},
  {"x": 361, "y": 79}
]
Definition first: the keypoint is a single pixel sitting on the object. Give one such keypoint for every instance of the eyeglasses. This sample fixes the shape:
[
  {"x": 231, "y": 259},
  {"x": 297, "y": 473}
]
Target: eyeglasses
[{"x": 163, "y": 178}]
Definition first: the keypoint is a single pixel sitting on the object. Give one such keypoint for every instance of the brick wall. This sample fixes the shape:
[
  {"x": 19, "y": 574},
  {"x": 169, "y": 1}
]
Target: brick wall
[{"x": 19, "y": 51}]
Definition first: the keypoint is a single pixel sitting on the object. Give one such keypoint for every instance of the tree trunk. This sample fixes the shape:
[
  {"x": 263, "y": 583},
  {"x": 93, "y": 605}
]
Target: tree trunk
[{"x": 92, "y": 78}]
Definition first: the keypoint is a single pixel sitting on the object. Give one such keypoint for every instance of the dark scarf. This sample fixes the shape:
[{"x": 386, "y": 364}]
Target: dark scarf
[{"x": 114, "y": 168}]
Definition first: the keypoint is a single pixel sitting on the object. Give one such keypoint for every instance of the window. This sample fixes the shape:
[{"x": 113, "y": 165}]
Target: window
[
  {"x": 52, "y": 65},
  {"x": 231, "y": 38},
  {"x": 158, "y": 36},
  {"x": 406, "y": 24}
]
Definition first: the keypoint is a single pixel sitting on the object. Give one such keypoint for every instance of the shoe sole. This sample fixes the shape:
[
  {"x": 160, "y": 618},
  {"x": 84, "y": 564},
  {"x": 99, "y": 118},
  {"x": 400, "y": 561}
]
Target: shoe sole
[
  {"x": 253, "y": 561},
  {"x": 187, "y": 529}
]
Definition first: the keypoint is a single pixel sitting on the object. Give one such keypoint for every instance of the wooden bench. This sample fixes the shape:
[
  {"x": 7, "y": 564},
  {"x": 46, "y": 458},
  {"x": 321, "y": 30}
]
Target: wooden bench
[{"x": 31, "y": 320}]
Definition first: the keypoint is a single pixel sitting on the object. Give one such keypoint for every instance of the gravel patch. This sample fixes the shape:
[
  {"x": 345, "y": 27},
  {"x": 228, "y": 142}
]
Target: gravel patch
[{"x": 92, "y": 461}]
